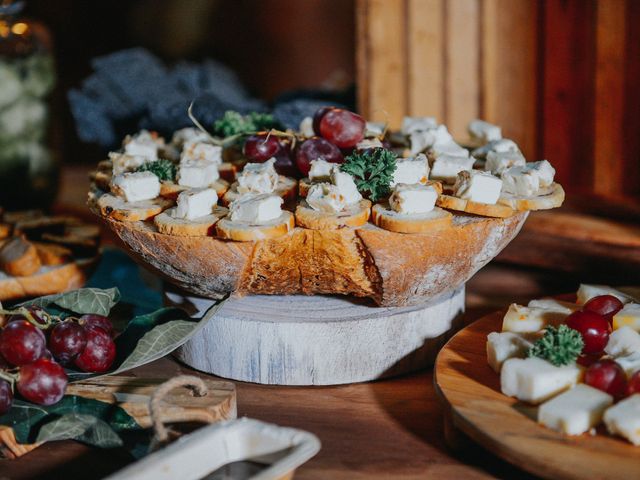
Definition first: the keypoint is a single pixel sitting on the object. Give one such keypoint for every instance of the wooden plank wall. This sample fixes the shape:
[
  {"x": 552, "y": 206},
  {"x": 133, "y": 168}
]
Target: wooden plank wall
[{"x": 560, "y": 76}]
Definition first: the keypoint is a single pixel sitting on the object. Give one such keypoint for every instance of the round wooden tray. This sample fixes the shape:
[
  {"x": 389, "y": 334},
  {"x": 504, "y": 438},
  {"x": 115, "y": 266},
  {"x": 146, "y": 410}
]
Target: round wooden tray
[{"x": 470, "y": 389}]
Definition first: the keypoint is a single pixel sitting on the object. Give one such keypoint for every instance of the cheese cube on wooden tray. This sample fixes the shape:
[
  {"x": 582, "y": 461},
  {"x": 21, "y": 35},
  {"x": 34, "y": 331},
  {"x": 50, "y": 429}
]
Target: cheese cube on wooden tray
[
  {"x": 530, "y": 319},
  {"x": 503, "y": 346},
  {"x": 624, "y": 419},
  {"x": 629, "y": 363},
  {"x": 587, "y": 292},
  {"x": 534, "y": 380},
  {"x": 575, "y": 411},
  {"x": 629, "y": 316},
  {"x": 623, "y": 341}
]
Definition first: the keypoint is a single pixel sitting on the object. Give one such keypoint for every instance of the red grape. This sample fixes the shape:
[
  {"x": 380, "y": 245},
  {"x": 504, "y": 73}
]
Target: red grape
[
  {"x": 261, "y": 147},
  {"x": 66, "y": 341},
  {"x": 21, "y": 343},
  {"x": 605, "y": 305},
  {"x": 634, "y": 384},
  {"x": 342, "y": 127},
  {"x": 594, "y": 329},
  {"x": 316, "y": 148},
  {"x": 99, "y": 353},
  {"x": 93, "y": 320},
  {"x": 608, "y": 376},
  {"x": 6, "y": 396},
  {"x": 42, "y": 382},
  {"x": 284, "y": 164},
  {"x": 318, "y": 116},
  {"x": 587, "y": 360}
]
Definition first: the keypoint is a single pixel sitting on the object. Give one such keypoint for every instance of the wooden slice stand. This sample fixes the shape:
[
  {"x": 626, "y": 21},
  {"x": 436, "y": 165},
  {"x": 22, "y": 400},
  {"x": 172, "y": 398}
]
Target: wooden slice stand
[{"x": 316, "y": 340}]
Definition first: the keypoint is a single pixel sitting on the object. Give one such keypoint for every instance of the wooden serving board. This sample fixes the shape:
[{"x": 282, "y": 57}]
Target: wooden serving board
[
  {"x": 470, "y": 390},
  {"x": 133, "y": 394}
]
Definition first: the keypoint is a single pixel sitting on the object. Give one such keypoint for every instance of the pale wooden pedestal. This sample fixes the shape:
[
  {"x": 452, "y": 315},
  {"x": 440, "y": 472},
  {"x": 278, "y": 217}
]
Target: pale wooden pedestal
[{"x": 317, "y": 340}]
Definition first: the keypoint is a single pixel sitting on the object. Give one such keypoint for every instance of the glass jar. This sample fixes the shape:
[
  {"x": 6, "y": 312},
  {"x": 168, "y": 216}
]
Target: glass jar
[{"x": 28, "y": 170}]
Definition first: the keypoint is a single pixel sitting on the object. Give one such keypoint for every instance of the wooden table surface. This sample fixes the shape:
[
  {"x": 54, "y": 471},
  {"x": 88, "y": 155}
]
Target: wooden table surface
[{"x": 379, "y": 430}]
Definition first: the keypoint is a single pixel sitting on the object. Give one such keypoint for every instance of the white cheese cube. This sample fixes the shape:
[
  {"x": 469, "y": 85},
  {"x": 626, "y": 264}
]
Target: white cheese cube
[
  {"x": 411, "y": 170},
  {"x": 527, "y": 180},
  {"x": 623, "y": 341},
  {"x": 195, "y": 203},
  {"x": 368, "y": 143},
  {"x": 413, "y": 198},
  {"x": 428, "y": 138},
  {"x": 630, "y": 363},
  {"x": 255, "y": 208},
  {"x": 534, "y": 380},
  {"x": 501, "y": 346},
  {"x": 624, "y": 419},
  {"x": 530, "y": 319},
  {"x": 554, "y": 305},
  {"x": 346, "y": 186},
  {"x": 201, "y": 152},
  {"x": 320, "y": 171},
  {"x": 325, "y": 197},
  {"x": 125, "y": 163},
  {"x": 498, "y": 162},
  {"x": 502, "y": 145},
  {"x": 447, "y": 167},
  {"x": 189, "y": 135},
  {"x": 374, "y": 129},
  {"x": 144, "y": 144},
  {"x": 448, "y": 148},
  {"x": 196, "y": 174},
  {"x": 417, "y": 124},
  {"x": 481, "y": 187},
  {"x": 629, "y": 316},
  {"x": 575, "y": 411},
  {"x": 484, "y": 132},
  {"x": 136, "y": 186},
  {"x": 587, "y": 292},
  {"x": 258, "y": 177},
  {"x": 306, "y": 127}
]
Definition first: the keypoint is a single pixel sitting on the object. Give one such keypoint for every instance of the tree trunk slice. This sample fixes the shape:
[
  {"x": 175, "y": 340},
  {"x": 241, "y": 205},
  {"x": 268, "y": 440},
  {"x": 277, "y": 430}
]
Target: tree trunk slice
[
  {"x": 317, "y": 340},
  {"x": 471, "y": 389}
]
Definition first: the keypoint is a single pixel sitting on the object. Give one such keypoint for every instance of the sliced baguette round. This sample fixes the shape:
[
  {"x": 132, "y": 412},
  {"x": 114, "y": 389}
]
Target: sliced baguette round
[
  {"x": 197, "y": 227},
  {"x": 287, "y": 189},
  {"x": 385, "y": 217},
  {"x": 102, "y": 179},
  {"x": 304, "y": 184},
  {"x": 119, "y": 209},
  {"x": 228, "y": 171},
  {"x": 484, "y": 209},
  {"x": 552, "y": 199},
  {"x": 354, "y": 215},
  {"x": 244, "y": 232},
  {"x": 171, "y": 190}
]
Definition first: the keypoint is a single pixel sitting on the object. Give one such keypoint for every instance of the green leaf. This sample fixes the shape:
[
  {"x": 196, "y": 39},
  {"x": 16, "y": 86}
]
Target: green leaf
[
  {"x": 81, "y": 427},
  {"x": 372, "y": 171},
  {"x": 560, "y": 346},
  {"x": 28, "y": 419},
  {"x": 234, "y": 123},
  {"x": 162, "y": 168},
  {"x": 84, "y": 300}
]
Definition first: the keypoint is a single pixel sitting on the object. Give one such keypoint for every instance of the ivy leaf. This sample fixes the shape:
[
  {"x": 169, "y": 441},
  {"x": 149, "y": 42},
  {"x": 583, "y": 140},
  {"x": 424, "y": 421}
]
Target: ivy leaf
[
  {"x": 372, "y": 171},
  {"x": 81, "y": 427},
  {"x": 82, "y": 301}
]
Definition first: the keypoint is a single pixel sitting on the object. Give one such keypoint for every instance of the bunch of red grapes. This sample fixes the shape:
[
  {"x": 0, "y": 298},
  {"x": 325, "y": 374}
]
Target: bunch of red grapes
[
  {"x": 35, "y": 345},
  {"x": 594, "y": 322},
  {"x": 337, "y": 132}
]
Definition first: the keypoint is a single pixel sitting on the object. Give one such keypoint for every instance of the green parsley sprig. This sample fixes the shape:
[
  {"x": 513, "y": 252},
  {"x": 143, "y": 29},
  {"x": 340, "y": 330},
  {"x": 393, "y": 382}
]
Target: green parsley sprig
[
  {"x": 560, "y": 346},
  {"x": 372, "y": 171},
  {"x": 162, "y": 168},
  {"x": 234, "y": 123}
]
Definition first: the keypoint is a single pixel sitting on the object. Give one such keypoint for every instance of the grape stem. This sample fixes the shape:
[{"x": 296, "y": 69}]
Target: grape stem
[
  {"x": 11, "y": 378},
  {"x": 26, "y": 313}
]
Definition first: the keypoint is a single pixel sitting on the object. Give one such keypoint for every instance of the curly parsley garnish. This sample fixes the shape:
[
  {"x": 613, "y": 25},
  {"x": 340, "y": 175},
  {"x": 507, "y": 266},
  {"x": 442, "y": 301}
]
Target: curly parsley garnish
[
  {"x": 372, "y": 170},
  {"x": 234, "y": 123},
  {"x": 162, "y": 168},
  {"x": 560, "y": 346}
]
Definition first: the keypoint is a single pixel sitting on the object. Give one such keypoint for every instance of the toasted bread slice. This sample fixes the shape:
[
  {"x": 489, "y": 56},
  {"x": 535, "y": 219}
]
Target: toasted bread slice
[
  {"x": 198, "y": 227},
  {"x": 354, "y": 215},
  {"x": 101, "y": 178},
  {"x": 385, "y": 217},
  {"x": 552, "y": 199},
  {"x": 52, "y": 254},
  {"x": 19, "y": 257},
  {"x": 5, "y": 230},
  {"x": 171, "y": 190},
  {"x": 486, "y": 210},
  {"x": 244, "y": 232},
  {"x": 304, "y": 184},
  {"x": 287, "y": 189},
  {"x": 119, "y": 209}
]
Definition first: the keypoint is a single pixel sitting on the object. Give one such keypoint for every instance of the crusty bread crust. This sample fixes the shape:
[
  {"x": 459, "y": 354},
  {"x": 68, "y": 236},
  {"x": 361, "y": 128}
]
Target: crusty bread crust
[
  {"x": 117, "y": 208},
  {"x": 384, "y": 217},
  {"x": 242, "y": 232},
  {"x": 228, "y": 171},
  {"x": 172, "y": 190},
  {"x": 304, "y": 184},
  {"x": 353, "y": 216},
  {"x": 553, "y": 199},
  {"x": 61, "y": 279},
  {"x": 19, "y": 257},
  {"x": 202, "y": 226},
  {"x": 52, "y": 254},
  {"x": 486, "y": 210},
  {"x": 286, "y": 189}
]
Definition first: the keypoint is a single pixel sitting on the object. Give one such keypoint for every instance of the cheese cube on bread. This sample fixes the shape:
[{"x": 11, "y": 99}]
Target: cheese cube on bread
[
  {"x": 447, "y": 167},
  {"x": 201, "y": 152},
  {"x": 121, "y": 162},
  {"x": 575, "y": 411},
  {"x": 320, "y": 171},
  {"x": 527, "y": 180},
  {"x": 346, "y": 186},
  {"x": 368, "y": 143},
  {"x": 530, "y": 319},
  {"x": 448, "y": 148},
  {"x": 502, "y": 145},
  {"x": 197, "y": 173},
  {"x": 136, "y": 186},
  {"x": 484, "y": 132},
  {"x": 413, "y": 198},
  {"x": 306, "y": 127},
  {"x": 623, "y": 341},
  {"x": 629, "y": 316},
  {"x": 255, "y": 208},
  {"x": 325, "y": 197},
  {"x": 417, "y": 124},
  {"x": 144, "y": 144},
  {"x": 624, "y": 419},
  {"x": 189, "y": 135},
  {"x": 429, "y": 138},
  {"x": 411, "y": 170},
  {"x": 498, "y": 162},
  {"x": 258, "y": 177},
  {"x": 535, "y": 380},
  {"x": 501, "y": 346},
  {"x": 375, "y": 129},
  {"x": 587, "y": 292},
  {"x": 481, "y": 187},
  {"x": 630, "y": 363},
  {"x": 195, "y": 203}
]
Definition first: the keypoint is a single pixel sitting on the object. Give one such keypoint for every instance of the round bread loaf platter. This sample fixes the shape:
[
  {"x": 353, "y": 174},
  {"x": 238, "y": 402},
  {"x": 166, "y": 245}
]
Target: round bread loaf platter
[{"x": 400, "y": 294}]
